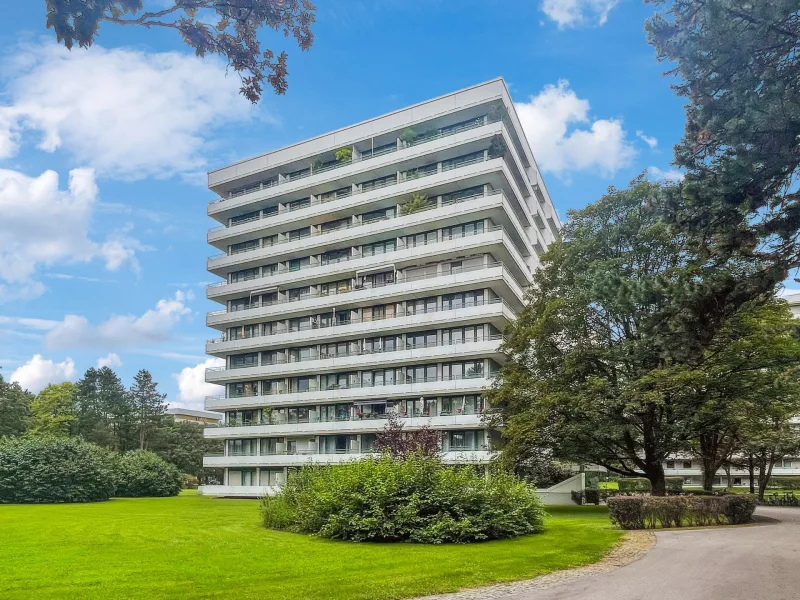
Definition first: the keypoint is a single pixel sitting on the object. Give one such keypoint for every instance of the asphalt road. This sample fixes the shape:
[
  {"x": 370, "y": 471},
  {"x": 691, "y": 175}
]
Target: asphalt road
[{"x": 758, "y": 562}]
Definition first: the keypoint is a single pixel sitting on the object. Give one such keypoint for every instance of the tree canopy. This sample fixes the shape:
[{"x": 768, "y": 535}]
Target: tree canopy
[{"x": 229, "y": 28}]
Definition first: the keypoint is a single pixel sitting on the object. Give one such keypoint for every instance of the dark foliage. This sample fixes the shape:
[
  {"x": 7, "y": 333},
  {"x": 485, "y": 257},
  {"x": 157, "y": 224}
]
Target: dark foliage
[
  {"x": 44, "y": 469},
  {"x": 142, "y": 473},
  {"x": 648, "y": 512}
]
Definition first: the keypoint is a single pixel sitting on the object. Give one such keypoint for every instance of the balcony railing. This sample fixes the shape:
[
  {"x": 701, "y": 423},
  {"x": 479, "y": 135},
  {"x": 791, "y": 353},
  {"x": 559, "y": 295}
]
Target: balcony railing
[
  {"x": 282, "y": 360},
  {"x": 281, "y": 269},
  {"x": 315, "y": 387},
  {"x": 303, "y": 173},
  {"x": 398, "y": 281},
  {"x": 398, "y": 314},
  {"x": 432, "y": 206},
  {"x": 355, "y": 417}
]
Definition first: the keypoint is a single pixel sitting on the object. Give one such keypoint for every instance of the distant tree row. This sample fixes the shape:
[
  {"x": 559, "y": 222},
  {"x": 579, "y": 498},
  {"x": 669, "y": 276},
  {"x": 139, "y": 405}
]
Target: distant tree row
[{"x": 99, "y": 409}]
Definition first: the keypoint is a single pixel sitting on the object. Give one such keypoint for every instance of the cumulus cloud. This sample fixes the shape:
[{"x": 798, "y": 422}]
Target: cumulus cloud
[
  {"x": 549, "y": 120},
  {"x": 192, "y": 386},
  {"x": 112, "y": 360},
  {"x": 43, "y": 225},
  {"x": 649, "y": 140},
  {"x": 576, "y": 13},
  {"x": 121, "y": 331},
  {"x": 38, "y": 372},
  {"x": 664, "y": 174},
  {"x": 129, "y": 114}
]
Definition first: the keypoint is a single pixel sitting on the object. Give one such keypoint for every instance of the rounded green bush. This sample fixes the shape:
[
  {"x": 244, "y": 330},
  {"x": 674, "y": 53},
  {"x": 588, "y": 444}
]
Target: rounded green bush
[
  {"x": 142, "y": 473},
  {"x": 47, "y": 469},
  {"x": 417, "y": 499}
]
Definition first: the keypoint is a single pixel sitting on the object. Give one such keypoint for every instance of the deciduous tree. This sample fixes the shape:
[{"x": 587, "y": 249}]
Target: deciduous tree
[
  {"x": 54, "y": 409},
  {"x": 229, "y": 28},
  {"x": 15, "y": 408}
]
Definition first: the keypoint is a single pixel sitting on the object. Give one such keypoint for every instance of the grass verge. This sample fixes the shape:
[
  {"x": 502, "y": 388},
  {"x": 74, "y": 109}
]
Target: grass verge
[{"x": 196, "y": 547}]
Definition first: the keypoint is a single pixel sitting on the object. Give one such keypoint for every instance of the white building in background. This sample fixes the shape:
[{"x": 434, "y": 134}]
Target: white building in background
[{"x": 367, "y": 271}]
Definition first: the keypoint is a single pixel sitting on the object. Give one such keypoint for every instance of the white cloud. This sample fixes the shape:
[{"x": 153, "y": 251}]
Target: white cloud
[
  {"x": 129, "y": 114},
  {"x": 574, "y": 13},
  {"x": 665, "y": 175},
  {"x": 38, "y": 372},
  {"x": 649, "y": 140},
  {"x": 192, "y": 386},
  {"x": 42, "y": 225},
  {"x": 549, "y": 121},
  {"x": 155, "y": 325},
  {"x": 112, "y": 360}
]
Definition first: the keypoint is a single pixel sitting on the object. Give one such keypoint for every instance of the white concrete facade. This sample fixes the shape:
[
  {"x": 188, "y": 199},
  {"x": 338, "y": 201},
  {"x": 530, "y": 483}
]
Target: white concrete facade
[{"x": 365, "y": 272}]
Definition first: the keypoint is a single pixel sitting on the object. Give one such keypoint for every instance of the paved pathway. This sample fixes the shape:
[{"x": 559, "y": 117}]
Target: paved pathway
[{"x": 755, "y": 562}]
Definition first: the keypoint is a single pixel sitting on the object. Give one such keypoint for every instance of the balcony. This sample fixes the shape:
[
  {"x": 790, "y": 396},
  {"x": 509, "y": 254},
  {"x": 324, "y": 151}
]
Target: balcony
[
  {"x": 480, "y": 456},
  {"x": 311, "y": 171}
]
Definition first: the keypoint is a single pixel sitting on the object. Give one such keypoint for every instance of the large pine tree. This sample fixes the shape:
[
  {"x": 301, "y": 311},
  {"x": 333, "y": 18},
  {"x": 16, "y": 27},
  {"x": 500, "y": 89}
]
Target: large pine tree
[{"x": 148, "y": 406}]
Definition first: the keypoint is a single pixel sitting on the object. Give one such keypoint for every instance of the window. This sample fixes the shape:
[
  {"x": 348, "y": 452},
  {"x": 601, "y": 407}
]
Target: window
[
  {"x": 377, "y": 248},
  {"x": 300, "y": 324},
  {"x": 379, "y": 150},
  {"x": 299, "y": 293},
  {"x": 297, "y": 415},
  {"x": 242, "y": 304},
  {"x": 242, "y": 477},
  {"x": 243, "y": 247},
  {"x": 335, "y": 225},
  {"x": 381, "y": 377},
  {"x": 462, "y": 195},
  {"x": 463, "y": 370},
  {"x": 269, "y": 240},
  {"x": 273, "y": 327},
  {"x": 460, "y": 161},
  {"x": 299, "y": 263},
  {"x": 459, "y": 231},
  {"x": 245, "y": 218},
  {"x": 737, "y": 481},
  {"x": 462, "y": 335},
  {"x": 670, "y": 464},
  {"x": 269, "y": 446},
  {"x": 243, "y": 333},
  {"x": 299, "y": 234},
  {"x": 239, "y": 361},
  {"x": 378, "y": 215},
  {"x": 336, "y": 381},
  {"x": 303, "y": 384},
  {"x": 374, "y": 184},
  {"x": 301, "y": 354},
  {"x": 268, "y": 299},
  {"x": 335, "y": 287},
  {"x": 422, "y": 239},
  {"x": 386, "y": 343},
  {"x": 272, "y": 386},
  {"x": 270, "y": 211},
  {"x": 462, "y": 440},
  {"x": 420, "y": 373},
  {"x": 368, "y": 441},
  {"x": 243, "y": 389},
  {"x": 291, "y": 446},
  {"x": 335, "y": 256},
  {"x": 245, "y": 275},
  {"x": 336, "y": 194},
  {"x": 335, "y": 412},
  {"x": 335, "y": 349},
  {"x": 462, "y": 300},
  {"x": 247, "y": 447},
  {"x": 424, "y": 305},
  {"x": 298, "y": 174},
  {"x": 787, "y": 463},
  {"x": 273, "y": 357},
  {"x": 378, "y": 279},
  {"x": 687, "y": 464},
  {"x": 298, "y": 204},
  {"x": 421, "y": 339},
  {"x": 336, "y": 444}
]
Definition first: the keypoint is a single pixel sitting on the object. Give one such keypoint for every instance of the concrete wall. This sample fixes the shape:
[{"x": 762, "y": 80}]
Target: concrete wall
[{"x": 561, "y": 493}]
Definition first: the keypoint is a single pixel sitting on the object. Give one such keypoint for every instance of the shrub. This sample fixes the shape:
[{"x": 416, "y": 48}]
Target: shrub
[
  {"x": 627, "y": 512},
  {"x": 634, "y": 485},
  {"x": 417, "y": 499},
  {"x": 673, "y": 484},
  {"x": 54, "y": 469},
  {"x": 739, "y": 508},
  {"x": 141, "y": 473},
  {"x": 408, "y": 136},
  {"x": 344, "y": 154},
  {"x": 417, "y": 203},
  {"x": 497, "y": 147},
  {"x": 577, "y": 497},
  {"x": 640, "y": 512},
  {"x": 786, "y": 483}
]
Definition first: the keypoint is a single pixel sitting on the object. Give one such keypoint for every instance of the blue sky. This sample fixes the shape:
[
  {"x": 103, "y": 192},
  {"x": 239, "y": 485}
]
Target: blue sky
[{"x": 106, "y": 265}]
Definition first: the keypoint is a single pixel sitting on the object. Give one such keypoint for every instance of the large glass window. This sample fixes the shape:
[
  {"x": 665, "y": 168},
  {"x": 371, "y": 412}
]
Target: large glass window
[
  {"x": 248, "y": 447},
  {"x": 336, "y": 381},
  {"x": 374, "y": 184},
  {"x": 335, "y": 225},
  {"x": 299, "y": 263},
  {"x": 302, "y": 354},
  {"x": 377, "y": 248},
  {"x": 243, "y": 247},
  {"x": 463, "y": 370},
  {"x": 334, "y": 349},
  {"x": 462, "y": 440},
  {"x": 336, "y": 444},
  {"x": 245, "y": 218},
  {"x": 378, "y": 215},
  {"x": 335, "y": 256},
  {"x": 245, "y": 275},
  {"x": 298, "y": 204},
  {"x": 239, "y": 361},
  {"x": 458, "y": 231},
  {"x": 378, "y": 279},
  {"x": 243, "y": 389},
  {"x": 420, "y": 373},
  {"x": 380, "y": 377},
  {"x": 303, "y": 384},
  {"x": 422, "y": 239},
  {"x": 421, "y": 339},
  {"x": 462, "y": 299},
  {"x": 461, "y": 335},
  {"x": 335, "y": 287},
  {"x": 335, "y": 412},
  {"x": 299, "y": 293},
  {"x": 297, "y": 415},
  {"x": 463, "y": 195},
  {"x": 273, "y": 386},
  {"x": 299, "y": 234},
  {"x": 423, "y": 305},
  {"x": 270, "y": 445},
  {"x": 368, "y": 441}
]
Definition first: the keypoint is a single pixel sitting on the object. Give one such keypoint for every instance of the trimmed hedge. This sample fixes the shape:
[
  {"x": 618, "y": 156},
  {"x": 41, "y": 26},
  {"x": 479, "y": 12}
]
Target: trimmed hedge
[
  {"x": 46, "y": 469},
  {"x": 785, "y": 483},
  {"x": 142, "y": 473},
  {"x": 634, "y": 485},
  {"x": 417, "y": 500},
  {"x": 649, "y": 512},
  {"x": 673, "y": 485}
]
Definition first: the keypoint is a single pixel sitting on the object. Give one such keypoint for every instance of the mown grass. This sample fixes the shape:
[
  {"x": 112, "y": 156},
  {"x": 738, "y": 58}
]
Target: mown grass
[{"x": 196, "y": 547}]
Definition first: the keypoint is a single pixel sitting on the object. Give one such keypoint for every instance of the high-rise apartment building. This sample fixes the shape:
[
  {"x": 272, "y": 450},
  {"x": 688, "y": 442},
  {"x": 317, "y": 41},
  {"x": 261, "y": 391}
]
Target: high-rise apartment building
[{"x": 367, "y": 271}]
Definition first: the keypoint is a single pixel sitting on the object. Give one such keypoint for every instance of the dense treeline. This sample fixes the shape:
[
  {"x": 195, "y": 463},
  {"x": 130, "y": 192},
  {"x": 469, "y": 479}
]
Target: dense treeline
[{"x": 100, "y": 410}]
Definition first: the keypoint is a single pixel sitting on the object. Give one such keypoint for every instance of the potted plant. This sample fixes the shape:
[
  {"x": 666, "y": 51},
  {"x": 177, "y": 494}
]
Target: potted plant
[{"x": 344, "y": 155}]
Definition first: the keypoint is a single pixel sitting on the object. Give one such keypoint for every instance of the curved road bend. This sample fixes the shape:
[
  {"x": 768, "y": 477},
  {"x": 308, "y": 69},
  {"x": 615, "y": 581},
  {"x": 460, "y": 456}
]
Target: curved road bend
[{"x": 758, "y": 562}]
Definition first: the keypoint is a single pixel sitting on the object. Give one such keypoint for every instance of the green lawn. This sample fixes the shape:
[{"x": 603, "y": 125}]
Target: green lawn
[{"x": 196, "y": 547}]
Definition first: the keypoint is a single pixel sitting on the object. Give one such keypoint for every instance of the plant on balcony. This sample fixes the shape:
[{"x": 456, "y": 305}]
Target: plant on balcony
[
  {"x": 141, "y": 473},
  {"x": 344, "y": 155},
  {"x": 408, "y": 136},
  {"x": 397, "y": 443},
  {"x": 417, "y": 499},
  {"x": 497, "y": 147},
  {"x": 417, "y": 203},
  {"x": 45, "y": 469}
]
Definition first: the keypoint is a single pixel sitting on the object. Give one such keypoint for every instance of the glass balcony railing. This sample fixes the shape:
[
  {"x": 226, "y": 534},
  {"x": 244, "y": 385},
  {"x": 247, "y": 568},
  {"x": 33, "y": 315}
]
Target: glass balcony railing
[{"x": 311, "y": 171}]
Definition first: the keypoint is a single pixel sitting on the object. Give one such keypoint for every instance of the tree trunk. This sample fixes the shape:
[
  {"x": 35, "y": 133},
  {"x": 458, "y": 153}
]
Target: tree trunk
[
  {"x": 709, "y": 471},
  {"x": 730, "y": 477},
  {"x": 751, "y": 469},
  {"x": 655, "y": 473}
]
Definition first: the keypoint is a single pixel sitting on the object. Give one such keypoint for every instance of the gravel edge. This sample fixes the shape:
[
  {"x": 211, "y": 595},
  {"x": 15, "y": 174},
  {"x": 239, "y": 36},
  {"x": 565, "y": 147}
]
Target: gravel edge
[{"x": 634, "y": 545}]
